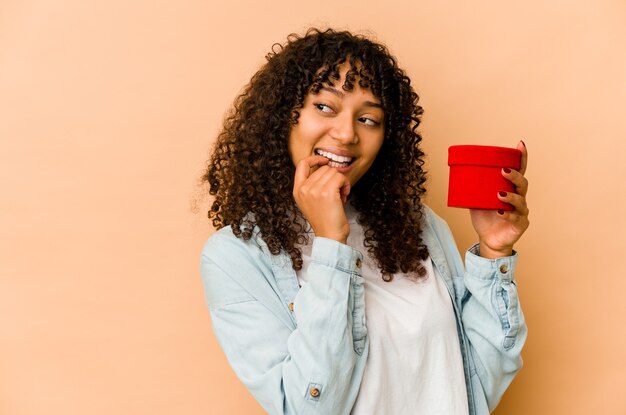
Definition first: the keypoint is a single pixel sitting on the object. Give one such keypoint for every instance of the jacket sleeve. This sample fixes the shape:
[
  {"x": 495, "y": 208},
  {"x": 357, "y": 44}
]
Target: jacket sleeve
[
  {"x": 494, "y": 322},
  {"x": 491, "y": 316},
  {"x": 306, "y": 370}
]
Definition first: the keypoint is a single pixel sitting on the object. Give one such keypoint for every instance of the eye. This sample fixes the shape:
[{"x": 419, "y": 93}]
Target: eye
[
  {"x": 369, "y": 121},
  {"x": 323, "y": 108}
]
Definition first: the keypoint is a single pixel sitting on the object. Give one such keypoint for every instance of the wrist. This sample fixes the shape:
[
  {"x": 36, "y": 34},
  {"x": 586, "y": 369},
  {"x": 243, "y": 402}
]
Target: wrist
[
  {"x": 339, "y": 238},
  {"x": 339, "y": 235},
  {"x": 486, "y": 252}
]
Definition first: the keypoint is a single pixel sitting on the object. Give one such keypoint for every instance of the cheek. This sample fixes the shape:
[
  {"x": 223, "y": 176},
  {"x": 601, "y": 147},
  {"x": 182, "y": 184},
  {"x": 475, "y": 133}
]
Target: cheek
[
  {"x": 304, "y": 136},
  {"x": 309, "y": 129},
  {"x": 374, "y": 148},
  {"x": 298, "y": 145}
]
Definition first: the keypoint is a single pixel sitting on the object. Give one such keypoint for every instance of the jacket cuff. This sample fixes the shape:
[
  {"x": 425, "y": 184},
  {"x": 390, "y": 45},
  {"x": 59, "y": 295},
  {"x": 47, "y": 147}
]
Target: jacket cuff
[
  {"x": 334, "y": 254},
  {"x": 484, "y": 268}
]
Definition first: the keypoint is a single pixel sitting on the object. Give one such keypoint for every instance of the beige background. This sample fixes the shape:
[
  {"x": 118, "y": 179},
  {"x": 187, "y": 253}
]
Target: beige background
[{"x": 107, "y": 112}]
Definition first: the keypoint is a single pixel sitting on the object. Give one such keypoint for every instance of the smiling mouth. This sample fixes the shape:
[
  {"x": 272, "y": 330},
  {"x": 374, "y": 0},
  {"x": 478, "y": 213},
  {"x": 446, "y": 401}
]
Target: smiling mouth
[{"x": 334, "y": 159}]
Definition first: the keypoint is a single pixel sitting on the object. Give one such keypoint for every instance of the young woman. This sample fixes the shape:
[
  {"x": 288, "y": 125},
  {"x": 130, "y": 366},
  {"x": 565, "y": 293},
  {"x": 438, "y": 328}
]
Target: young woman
[{"x": 332, "y": 288}]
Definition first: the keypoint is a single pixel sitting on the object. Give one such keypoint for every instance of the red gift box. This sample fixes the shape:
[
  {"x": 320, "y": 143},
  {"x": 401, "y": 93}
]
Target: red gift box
[{"x": 476, "y": 175}]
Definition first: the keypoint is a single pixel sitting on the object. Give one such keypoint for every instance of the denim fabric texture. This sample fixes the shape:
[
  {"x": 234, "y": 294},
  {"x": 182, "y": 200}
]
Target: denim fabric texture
[{"x": 303, "y": 350}]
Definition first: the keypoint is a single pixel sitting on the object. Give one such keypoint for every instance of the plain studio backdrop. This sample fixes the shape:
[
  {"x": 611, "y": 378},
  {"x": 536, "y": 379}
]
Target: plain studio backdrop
[{"x": 108, "y": 110}]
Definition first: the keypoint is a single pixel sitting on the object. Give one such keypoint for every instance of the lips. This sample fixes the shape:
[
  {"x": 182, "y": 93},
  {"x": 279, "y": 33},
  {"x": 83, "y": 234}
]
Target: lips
[{"x": 336, "y": 160}]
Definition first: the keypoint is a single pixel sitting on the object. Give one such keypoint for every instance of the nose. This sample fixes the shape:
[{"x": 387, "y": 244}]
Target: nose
[{"x": 343, "y": 130}]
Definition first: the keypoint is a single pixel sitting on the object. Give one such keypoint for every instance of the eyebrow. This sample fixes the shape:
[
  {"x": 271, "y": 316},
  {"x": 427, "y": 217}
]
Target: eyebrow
[{"x": 340, "y": 94}]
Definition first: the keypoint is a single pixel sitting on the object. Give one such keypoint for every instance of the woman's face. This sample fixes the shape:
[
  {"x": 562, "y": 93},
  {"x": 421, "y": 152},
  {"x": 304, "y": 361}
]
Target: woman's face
[{"x": 346, "y": 127}]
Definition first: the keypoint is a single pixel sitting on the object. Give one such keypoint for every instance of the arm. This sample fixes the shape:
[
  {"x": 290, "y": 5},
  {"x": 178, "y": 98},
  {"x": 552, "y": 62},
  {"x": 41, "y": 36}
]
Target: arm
[
  {"x": 306, "y": 370},
  {"x": 493, "y": 326},
  {"x": 492, "y": 316},
  {"x": 493, "y": 322}
]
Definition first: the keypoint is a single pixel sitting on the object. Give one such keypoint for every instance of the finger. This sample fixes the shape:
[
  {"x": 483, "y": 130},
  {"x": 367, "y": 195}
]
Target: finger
[
  {"x": 342, "y": 182},
  {"x": 304, "y": 168},
  {"x": 322, "y": 176},
  {"x": 345, "y": 192},
  {"x": 519, "y": 222},
  {"x": 330, "y": 180},
  {"x": 311, "y": 185},
  {"x": 506, "y": 215},
  {"x": 518, "y": 179},
  {"x": 521, "y": 146},
  {"x": 509, "y": 215},
  {"x": 325, "y": 182},
  {"x": 517, "y": 201}
]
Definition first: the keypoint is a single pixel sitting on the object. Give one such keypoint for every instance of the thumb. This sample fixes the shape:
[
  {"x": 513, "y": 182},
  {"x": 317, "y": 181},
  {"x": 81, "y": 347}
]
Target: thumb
[{"x": 345, "y": 191}]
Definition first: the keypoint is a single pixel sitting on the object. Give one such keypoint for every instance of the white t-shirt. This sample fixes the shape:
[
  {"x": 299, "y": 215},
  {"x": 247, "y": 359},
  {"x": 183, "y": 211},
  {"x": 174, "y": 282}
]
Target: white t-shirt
[{"x": 414, "y": 365}]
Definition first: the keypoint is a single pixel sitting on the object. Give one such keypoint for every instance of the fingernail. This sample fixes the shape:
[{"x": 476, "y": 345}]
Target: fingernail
[
  {"x": 507, "y": 170},
  {"x": 523, "y": 142},
  {"x": 502, "y": 194},
  {"x": 500, "y": 212}
]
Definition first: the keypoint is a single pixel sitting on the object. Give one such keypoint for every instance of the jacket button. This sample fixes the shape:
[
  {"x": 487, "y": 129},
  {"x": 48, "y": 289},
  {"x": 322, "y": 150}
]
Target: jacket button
[
  {"x": 358, "y": 263},
  {"x": 290, "y": 306},
  {"x": 314, "y": 392},
  {"x": 503, "y": 269}
]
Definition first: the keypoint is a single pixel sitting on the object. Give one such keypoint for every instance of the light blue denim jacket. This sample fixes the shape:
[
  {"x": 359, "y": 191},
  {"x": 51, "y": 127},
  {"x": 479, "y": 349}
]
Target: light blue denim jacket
[{"x": 303, "y": 350}]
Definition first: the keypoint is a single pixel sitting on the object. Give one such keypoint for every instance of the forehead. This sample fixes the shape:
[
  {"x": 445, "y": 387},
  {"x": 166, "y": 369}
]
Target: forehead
[
  {"x": 369, "y": 100},
  {"x": 344, "y": 77}
]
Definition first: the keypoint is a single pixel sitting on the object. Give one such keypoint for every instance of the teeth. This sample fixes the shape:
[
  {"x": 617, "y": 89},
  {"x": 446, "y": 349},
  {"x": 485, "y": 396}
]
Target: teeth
[
  {"x": 335, "y": 164},
  {"x": 334, "y": 157}
]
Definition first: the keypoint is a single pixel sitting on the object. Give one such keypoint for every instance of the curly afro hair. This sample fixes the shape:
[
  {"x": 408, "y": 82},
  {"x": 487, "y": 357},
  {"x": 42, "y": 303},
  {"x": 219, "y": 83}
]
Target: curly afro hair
[{"x": 250, "y": 172}]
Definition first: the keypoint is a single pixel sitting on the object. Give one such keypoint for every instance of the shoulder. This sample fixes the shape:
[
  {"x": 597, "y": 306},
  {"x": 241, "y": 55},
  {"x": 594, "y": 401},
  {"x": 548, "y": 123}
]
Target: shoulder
[
  {"x": 233, "y": 269},
  {"x": 222, "y": 240},
  {"x": 224, "y": 248},
  {"x": 437, "y": 233},
  {"x": 433, "y": 221}
]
